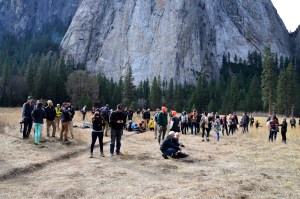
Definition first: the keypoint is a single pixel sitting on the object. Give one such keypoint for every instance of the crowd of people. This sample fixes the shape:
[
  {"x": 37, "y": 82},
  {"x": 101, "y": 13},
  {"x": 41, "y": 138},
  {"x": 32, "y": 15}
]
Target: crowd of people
[{"x": 105, "y": 120}]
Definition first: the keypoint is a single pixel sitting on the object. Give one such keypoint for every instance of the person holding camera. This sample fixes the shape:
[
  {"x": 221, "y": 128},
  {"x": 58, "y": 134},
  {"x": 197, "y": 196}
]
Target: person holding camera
[
  {"x": 97, "y": 132},
  {"x": 117, "y": 122}
]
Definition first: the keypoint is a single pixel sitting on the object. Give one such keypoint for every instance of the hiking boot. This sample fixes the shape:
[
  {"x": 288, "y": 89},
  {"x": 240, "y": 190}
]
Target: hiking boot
[
  {"x": 119, "y": 153},
  {"x": 48, "y": 135},
  {"x": 207, "y": 140},
  {"x": 165, "y": 157},
  {"x": 202, "y": 139},
  {"x": 102, "y": 155},
  {"x": 53, "y": 136},
  {"x": 91, "y": 155}
]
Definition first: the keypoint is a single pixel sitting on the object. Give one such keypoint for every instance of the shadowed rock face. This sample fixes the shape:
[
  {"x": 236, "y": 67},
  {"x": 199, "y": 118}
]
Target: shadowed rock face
[
  {"x": 295, "y": 36},
  {"x": 18, "y": 17}
]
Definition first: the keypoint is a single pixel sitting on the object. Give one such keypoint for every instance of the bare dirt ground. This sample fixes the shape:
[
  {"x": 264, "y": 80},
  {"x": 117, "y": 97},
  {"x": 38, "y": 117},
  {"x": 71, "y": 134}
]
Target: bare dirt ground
[{"x": 239, "y": 166}]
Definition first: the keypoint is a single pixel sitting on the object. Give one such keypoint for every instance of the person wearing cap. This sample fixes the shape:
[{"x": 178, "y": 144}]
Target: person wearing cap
[
  {"x": 50, "y": 118},
  {"x": 57, "y": 116},
  {"x": 38, "y": 115},
  {"x": 175, "y": 123},
  {"x": 117, "y": 121},
  {"x": 168, "y": 147},
  {"x": 162, "y": 122},
  {"x": 27, "y": 117},
  {"x": 283, "y": 130},
  {"x": 106, "y": 113}
]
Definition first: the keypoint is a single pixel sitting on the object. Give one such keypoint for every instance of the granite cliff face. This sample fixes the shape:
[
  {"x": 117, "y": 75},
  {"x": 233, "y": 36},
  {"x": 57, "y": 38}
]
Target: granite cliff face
[
  {"x": 177, "y": 38},
  {"x": 18, "y": 17},
  {"x": 295, "y": 37}
]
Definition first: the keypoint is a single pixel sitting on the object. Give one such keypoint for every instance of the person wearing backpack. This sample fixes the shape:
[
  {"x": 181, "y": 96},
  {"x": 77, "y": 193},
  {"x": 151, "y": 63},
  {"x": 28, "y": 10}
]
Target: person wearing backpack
[
  {"x": 184, "y": 122},
  {"x": 97, "y": 132},
  {"x": 106, "y": 113}
]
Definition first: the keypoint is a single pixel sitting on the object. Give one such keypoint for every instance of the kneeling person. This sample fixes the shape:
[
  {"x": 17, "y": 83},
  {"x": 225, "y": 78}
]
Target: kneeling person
[{"x": 168, "y": 147}]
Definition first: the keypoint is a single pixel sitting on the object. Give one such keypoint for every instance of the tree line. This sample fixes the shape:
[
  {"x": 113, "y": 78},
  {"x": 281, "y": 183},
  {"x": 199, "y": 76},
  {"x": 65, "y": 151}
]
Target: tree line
[{"x": 262, "y": 82}]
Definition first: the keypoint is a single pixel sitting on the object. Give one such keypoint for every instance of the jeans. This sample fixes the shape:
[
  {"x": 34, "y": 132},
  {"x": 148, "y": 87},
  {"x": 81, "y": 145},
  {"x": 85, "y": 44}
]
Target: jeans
[
  {"x": 115, "y": 135},
  {"x": 224, "y": 127},
  {"x": 37, "y": 132},
  {"x": 27, "y": 127},
  {"x": 169, "y": 151},
  {"x": 207, "y": 133},
  {"x": 194, "y": 128},
  {"x": 272, "y": 135},
  {"x": 245, "y": 128},
  {"x": 217, "y": 135},
  {"x": 162, "y": 129},
  {"x": 95, "y": 135},
  {"x": 49, "y": 124},
  {"x": 184, "y": 127}
]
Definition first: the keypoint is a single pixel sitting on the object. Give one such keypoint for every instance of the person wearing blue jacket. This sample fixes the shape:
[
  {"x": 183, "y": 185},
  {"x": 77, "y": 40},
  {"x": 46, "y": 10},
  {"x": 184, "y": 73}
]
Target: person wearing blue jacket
[{"x": 38, "y": 115}]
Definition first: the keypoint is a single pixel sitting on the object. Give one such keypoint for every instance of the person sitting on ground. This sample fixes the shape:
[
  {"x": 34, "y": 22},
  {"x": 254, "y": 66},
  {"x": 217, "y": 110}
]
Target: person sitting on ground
[
  {"x": 151, "y": 124},
  {"x": 257, "y": 124},
  {"x": 168, "y": 148}
]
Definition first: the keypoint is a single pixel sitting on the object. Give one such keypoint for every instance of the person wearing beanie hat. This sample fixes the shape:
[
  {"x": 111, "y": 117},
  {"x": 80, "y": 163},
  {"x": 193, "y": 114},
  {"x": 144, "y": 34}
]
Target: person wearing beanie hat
[
  {"x": 118, "y": 122},
  {"x": 168, "y": 148},
  {"x": 26, "y": 116},
  {"x": 175, "y": 122},
  {"x": 162, "y": 121}
]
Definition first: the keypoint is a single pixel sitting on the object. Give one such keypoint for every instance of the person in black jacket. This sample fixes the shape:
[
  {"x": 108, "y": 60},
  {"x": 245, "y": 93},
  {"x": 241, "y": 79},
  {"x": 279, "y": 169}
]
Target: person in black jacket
[
  {"x": 38, "y": 115},
  {"x": 50, "y": 118},
  {"x": 97, "y": 132},
  {"x": 26, "y": 117},
  {"x": 72, "y": 113},
  {"x": 283, "y": 130},
  {"x": 117, "y": 121},
  {"x": 65, "y": 119},
  {"x": 168, "y": 147},
  {"x": 146, "y": 118}
]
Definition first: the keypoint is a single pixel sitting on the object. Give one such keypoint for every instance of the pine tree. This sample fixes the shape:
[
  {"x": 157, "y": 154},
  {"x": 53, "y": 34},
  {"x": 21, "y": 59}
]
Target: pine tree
[
  {"x": 291, "y": 88},
  {"x": 40, "y": 79},
  {"x": 253, "y": 97},
  {"x": 155, "y": 96},
  {"x": 268, "y": 85},
  {"x": 234, "y": 93},
  {"x": 128, "y": 89},
  {"x": 170, "y": 95},
  {"x": 282, "y": 98}
]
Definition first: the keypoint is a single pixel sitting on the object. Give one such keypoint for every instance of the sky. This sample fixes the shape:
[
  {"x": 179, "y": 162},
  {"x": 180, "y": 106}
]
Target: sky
[{"x": 289, "y": 11}]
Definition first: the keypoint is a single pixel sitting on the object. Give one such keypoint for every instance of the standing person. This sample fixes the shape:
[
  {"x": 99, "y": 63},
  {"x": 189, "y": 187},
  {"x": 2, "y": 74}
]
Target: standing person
[
  {"x": 283, "y": 130},
  {"x": 184, "y": 122},
  {"x": 83, "y": 112},
  {"x": 204, "y": 123},
  {"x": 194, "y": 118},
  {"x": 156, "y": 127},
  {"x": 27, "y": 117},
  {"x": 251, "y": 121},
  {"x": 106, "y": 113},
  {"x": 217, "y": 127},
  {"x": 129, "y": 114},
  {"x": 57, "y": 116},
  {"x": 224, "y": 125},
  {"x": 175, "y": 123},
  {"x": 231, "y": 124},
  {"x": 235, "y": 122},
  {"x": 50, "y": 118},
  {"x": 146, "y": 117},
  {"x": 65, "y": 120},
  {"x": 293, "y": 122},
  {"x": 38, "y": 115},
  {"x": 162, "y": 122},
  {"x": 97, "y": 132},
  {"x": 72, "y": 113},
  {"x": 117, "y": 121},
  {"x": 273, "y": 129},
  {"x": 245, "y": 122}
]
